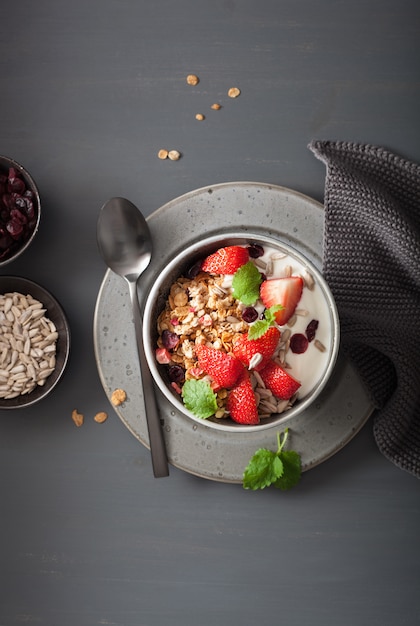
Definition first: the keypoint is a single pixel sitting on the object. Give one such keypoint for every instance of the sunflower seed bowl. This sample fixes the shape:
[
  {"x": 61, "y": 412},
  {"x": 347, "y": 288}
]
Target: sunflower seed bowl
[{"x": 34, "y": 342}]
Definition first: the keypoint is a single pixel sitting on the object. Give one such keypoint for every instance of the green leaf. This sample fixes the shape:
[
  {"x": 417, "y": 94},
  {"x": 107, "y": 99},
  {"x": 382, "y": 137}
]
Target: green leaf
[
  {"x": 264, "y": 468},
  {"x": 199, "y": 398},
  {"x": 282, "y": 468},
  {"x": 292, "y": 470},
  {"x": 259, "y": 328},
  {"x": 246, "y": 283}
]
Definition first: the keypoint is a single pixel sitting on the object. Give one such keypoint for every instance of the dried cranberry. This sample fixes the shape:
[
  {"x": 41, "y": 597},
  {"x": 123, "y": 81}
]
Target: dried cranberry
[
  {"x": 169, "y": 339},
  {"x": 311, "y": 329},
  {"x": 29, "y": 206},
  {"x": 249, "y": 314},
  {"x": 255, "y": 250},
  {"x": 298, "y": 343},
  {"x": 17, "y": 212},
  {"x": 8, "y": 201},
  {"x": 176, "y": 374},
  {"x": 15, "y": 228},
  {"x": 18, "y": 216},
  {"x": 16, "y": 185},
  {"x": 5, "y": 240}
]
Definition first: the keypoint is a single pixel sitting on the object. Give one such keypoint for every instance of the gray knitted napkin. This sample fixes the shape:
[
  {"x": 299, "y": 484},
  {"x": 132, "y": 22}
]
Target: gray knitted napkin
[{"x": 372, "y": 264}]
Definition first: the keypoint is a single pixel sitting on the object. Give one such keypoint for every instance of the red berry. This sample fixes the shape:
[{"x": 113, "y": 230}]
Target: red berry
[
  {"x": 241, "y": 402},
  {"x": 223, "y": 368},
  {"x": 285, "y": 291},
  {"x": 244, "y": 349},
  {"x": 225, "y": 260},
  {"x": 170, "y": 340},
  {"x": 311, "y": 329},
  {"x": 255, "y": 250},
  {"x": 298, "y": 343},
  {"x": 249, "y": 314},
  {"x": 280, "y": 382}
]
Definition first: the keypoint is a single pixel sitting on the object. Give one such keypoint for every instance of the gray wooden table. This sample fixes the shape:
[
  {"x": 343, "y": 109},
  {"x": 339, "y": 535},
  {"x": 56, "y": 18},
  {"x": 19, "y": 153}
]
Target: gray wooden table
[{"x": 90, "y": 91}]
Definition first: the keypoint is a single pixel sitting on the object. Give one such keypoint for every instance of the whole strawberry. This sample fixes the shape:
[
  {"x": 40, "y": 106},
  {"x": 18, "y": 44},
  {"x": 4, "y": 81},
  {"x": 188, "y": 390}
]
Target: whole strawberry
[
  {"x": 225, "y": 260},
  {"x": 278, "y": 381},
  {"x": 241, "y": 402},
  {"x": 223, "y": 368},
  {"x": 246, "y": 350}
]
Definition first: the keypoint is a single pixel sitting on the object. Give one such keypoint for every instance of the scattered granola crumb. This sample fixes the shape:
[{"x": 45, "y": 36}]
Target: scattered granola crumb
[
  {"x": 77, "y": 418},
  {"x": 216, "y": 106},
  {"x": 234, "y": 92},
  {"x": 200, "y": 117},
  {"x": 163, "y": 154},
  {"x": 101, "y": 417},
  {"x": 192, "y": 79},
  {"x": 118, "y": 397},
  {"x": 174, "y": 155}
]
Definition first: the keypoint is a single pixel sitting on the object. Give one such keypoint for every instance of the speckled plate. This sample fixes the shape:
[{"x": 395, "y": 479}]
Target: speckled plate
[{"x": 321, "y": 430}]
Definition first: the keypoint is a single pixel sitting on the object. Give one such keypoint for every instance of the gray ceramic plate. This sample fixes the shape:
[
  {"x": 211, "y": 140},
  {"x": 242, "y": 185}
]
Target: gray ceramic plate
[{"x": 317, "y": 433}]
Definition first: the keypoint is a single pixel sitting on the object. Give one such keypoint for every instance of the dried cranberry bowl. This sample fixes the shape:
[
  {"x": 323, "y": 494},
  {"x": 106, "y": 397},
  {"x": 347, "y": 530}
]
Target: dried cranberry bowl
[
  {"x": 20, "y": 209},
  {"x": 240, "y": 331},
  {"x": 34, "y": 342}
]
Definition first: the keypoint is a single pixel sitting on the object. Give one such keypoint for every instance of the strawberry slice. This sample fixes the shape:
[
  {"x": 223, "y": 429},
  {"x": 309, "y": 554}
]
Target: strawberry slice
[
  {"x": 245, "y": 349},
  {"x": 278, "y": 381},
  {"x": 241, "y": 402},
  {"x": 225, "y": 260},
  {"x": 223, "y": 368},
  {"x": 285, "y": 291}
]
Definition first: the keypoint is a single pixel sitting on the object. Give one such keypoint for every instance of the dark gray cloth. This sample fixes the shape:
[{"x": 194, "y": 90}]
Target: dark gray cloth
[{"x": 372, "y": 264}]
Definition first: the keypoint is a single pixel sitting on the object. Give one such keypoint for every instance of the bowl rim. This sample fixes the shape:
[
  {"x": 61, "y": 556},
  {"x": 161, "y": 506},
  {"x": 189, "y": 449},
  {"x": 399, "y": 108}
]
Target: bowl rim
[
  {"x": 210, "y": 242},
  {"x": 27, "y": 284},
  {"x": 34, "y": 187}
]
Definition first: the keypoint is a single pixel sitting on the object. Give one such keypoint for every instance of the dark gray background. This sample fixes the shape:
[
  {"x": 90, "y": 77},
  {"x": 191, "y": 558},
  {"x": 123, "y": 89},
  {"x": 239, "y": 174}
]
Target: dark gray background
[{"x": 90, "y": 91}]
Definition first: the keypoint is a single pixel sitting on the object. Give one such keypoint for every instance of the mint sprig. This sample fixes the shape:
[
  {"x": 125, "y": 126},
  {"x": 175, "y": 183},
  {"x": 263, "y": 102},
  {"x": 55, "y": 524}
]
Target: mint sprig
[
  {"x": 199, "y": 398},
  {"x": 246, "y": 284},
  {"x": 259, "y": 328},
  {"x": 281, "y": 468}
]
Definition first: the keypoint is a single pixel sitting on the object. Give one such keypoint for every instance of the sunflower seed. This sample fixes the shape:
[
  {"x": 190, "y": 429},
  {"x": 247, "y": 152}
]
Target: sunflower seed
[{"x": 28, "y": 343}]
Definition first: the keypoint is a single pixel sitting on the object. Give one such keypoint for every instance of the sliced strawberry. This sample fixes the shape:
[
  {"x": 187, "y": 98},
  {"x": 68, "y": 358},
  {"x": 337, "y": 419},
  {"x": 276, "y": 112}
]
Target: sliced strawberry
[
  {"x": 278, "y": 381},
  {"x": 285, "y": 291},
  {"x": 223, "y": 368},
  {"x": 245, "y": 349},
  {"x": 241, "y": 402},
  {"x": 225, "y": 260}
]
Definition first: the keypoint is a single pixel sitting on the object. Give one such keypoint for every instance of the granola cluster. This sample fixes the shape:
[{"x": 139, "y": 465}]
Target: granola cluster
[{"x": 201, "y": 310}]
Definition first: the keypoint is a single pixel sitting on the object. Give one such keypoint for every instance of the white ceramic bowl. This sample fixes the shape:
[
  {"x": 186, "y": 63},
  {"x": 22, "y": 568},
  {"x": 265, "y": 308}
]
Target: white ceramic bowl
[{"x": 330, "y": 335}]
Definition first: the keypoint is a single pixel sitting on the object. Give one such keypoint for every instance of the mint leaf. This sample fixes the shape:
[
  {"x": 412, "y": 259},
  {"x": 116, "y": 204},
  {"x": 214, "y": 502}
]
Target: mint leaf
[
  {"x": 281, "y": 468},
  {"x": 257, "y": 329},
  {"x": 246, "y": 284},
  {"x": 292, "y": 470},
  {"x": 199, "y": 398},
  {"x": 263, "y": 469}
]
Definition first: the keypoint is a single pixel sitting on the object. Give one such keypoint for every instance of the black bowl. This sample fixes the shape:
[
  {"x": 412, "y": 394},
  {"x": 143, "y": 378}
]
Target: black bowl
[
  {"x": 55, "y": 313},
  {"x": 20, "y": 210}
]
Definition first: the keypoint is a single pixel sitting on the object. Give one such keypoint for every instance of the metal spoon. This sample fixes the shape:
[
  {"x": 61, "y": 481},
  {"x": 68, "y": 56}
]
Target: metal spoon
[{"x": 126, "y": 246}]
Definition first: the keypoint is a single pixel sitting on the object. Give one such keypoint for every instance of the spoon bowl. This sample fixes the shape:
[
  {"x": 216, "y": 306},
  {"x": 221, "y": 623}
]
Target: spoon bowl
[{"x": 125, "y": 244}]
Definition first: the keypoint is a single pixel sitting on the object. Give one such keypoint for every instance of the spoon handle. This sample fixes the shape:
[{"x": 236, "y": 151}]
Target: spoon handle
[{"x": 156, "y": 440}]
